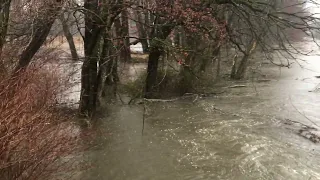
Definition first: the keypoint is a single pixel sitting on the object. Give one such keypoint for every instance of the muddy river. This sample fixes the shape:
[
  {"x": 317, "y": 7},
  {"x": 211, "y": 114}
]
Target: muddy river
[{"x": 240, "y": 134}]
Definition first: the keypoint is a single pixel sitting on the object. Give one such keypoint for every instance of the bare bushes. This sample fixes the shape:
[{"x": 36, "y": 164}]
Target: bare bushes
[{"x": 35, "y": 138}]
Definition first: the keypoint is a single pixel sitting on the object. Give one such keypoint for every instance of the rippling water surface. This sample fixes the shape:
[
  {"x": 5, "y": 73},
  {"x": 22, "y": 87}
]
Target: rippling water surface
[{"x": 237, "y": 135}]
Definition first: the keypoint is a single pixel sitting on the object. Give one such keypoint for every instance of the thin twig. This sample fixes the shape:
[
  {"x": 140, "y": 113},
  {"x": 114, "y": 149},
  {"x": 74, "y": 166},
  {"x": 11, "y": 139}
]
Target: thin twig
[{"x": 302, "y": 113}]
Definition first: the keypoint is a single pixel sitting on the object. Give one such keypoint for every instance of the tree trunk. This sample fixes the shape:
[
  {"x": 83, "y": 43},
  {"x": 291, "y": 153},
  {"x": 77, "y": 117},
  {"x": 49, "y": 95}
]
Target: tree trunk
[
  {"x": 142, "y": 32},
  {"x": 69, "y": 38},
  {"x": 125, "y": 51},
  {"x": 102, "y": 72},
  {"x": 216, "y": 54},
  {"x": 122, "y": 34},
  {"x": 96, "y": 26},
  {"x": 234, "y": 67},
  {"x": 88, "y": 85},
  {"x": 41, "y": 29},
  {"x": 152, "y": 71},
  {"x": 107, "y": 74},
  {"x": 110, "y": 87},
  {"x": 110, "y": 90},
  {"x": 242, "y": 67},
  {"x": 4, "y": 20},
  {"x": 156, "y": 49},
  {"x": 186, "y": 81},
  {"x": 120, "y": 43},
  {"x": 244, "y": 61},
  {"x": 88, "y": 97}
]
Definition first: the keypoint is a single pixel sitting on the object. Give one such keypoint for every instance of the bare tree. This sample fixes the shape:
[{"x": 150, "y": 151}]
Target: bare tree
[
  {"x": 40, "y": 30},
  {"x": 266, "y": 26},
  {"x": 99, "y": 18}
]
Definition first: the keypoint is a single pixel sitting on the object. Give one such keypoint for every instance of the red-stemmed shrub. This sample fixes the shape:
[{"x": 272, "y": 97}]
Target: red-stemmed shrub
[{"x": 37, "y": 140}]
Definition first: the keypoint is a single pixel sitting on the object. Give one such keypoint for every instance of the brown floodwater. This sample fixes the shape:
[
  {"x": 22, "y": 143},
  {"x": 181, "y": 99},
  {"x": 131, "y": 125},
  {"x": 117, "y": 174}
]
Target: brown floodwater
[{"x": 237, "y": 135}]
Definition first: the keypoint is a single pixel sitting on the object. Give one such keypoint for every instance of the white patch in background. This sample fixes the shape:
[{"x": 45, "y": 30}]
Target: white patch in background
[{"x": 137, "y": 48}]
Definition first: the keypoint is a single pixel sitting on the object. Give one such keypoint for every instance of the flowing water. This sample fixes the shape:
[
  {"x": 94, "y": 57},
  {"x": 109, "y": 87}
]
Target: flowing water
[{"x": 236, "y": 135}]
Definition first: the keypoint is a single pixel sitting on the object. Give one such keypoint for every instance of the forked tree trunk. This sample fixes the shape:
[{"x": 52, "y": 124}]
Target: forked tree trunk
[{"x": 241, "y": 70}]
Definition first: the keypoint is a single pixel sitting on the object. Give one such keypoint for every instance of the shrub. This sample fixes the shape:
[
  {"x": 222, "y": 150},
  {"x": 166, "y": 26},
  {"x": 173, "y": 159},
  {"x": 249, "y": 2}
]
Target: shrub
[{"x": 34, "y": 135}]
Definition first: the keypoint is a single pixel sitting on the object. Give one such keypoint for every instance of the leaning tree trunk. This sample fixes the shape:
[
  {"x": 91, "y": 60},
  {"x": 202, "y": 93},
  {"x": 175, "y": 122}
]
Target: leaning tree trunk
[
  {"x": 156, "y": 49},
  {"x": 41, "y": 29},
  {"x": 4, "y": 20},
  {"x": 69, "y": 37},
  {"x": 241, "y": 70}
]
